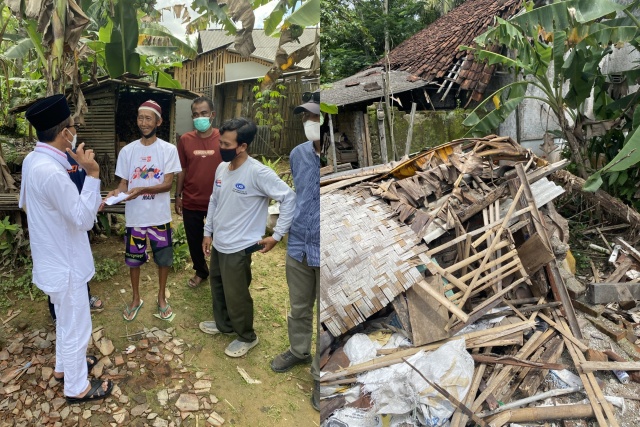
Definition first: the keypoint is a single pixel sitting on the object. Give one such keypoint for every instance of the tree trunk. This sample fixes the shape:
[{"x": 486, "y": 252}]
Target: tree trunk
[{"x": 574, "y": 146}]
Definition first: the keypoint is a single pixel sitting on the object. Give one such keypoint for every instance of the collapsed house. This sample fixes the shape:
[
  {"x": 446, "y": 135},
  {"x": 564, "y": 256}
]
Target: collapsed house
[{"x": 461, "y": 253}]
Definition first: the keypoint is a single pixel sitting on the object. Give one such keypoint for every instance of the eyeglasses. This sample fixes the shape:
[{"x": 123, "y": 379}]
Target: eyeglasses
[
  {"x": 75, "y": 126},
  {"x": 311, "y": 97}
]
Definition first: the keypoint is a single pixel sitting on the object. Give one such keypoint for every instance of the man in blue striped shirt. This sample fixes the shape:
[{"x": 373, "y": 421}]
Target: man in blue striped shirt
[{"x": 303, "y": 251}]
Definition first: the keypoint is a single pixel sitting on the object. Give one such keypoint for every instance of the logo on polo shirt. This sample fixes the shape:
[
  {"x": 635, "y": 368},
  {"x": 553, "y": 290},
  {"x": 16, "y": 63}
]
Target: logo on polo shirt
[
  {"x": 240, "y": 188},
  {"x": 218, "y": 183}
]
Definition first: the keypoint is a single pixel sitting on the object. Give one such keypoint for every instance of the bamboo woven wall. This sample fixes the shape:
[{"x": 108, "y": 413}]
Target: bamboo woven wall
[{"x": 363, "y": 267}]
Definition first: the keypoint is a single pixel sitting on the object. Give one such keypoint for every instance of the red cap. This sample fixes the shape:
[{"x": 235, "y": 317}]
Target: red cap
[{"x": 151, "y": 106}]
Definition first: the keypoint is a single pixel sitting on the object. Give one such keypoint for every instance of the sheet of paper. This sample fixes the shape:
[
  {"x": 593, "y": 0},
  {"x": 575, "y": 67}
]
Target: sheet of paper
[{"x": 116, "y": 199}]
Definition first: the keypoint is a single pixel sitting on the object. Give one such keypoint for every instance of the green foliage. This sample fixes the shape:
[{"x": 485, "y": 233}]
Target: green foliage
[
  {"x": 180, "y": 247},
  {"x": 267, "y": 105},
  {"x": 573, "y": 36},
  {"x": 106, "y": 268},
  {"x": 15, "y": 265},
  {"x": 14, "y": 247},
  {"x": 271, "y": 164},
  {"x": 622, "y": 171}
]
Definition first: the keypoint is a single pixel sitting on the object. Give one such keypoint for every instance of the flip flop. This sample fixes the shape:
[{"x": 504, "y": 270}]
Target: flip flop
[
  {"x": 192, "y": 283},
  {"x": 93, "y": 304},
  {"x": 162, "y": 313},
  {"x": 91, "y": 362},
  {"x": 95, "y": 392},
  {"x": 127, "y": 312}
]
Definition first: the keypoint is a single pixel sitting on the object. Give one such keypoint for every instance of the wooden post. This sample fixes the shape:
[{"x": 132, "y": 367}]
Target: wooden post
[
  {"x": 359, "y": 143},
  {"x": 389, "y": 115},
  {"x": 382, "y": 135},
  {"x": 407, "y": 148},
  {"x": 333, "y": 145},
  {"x": 367, "y": 141}
]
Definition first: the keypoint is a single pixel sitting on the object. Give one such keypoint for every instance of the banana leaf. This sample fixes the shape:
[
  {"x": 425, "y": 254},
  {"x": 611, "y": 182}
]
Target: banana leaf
[
  {"x": 308, "y": 14},
  {"x": 20, "y": 49}
]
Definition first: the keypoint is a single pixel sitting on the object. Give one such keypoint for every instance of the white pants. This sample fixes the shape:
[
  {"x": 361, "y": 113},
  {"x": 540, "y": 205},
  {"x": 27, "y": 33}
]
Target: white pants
[{"x": 73, "y": 330}]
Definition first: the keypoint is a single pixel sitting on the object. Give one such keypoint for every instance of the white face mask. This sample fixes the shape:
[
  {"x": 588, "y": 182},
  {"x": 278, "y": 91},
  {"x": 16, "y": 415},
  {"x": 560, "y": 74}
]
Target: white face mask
[
  {"x": 312, "y": 130},
  {"x": 73, "y": 141}
]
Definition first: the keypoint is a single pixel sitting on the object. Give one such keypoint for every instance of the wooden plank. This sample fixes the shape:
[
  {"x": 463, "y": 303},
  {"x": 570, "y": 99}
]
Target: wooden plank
[
  {"x": 428, "y": 317},
  {"x": 534, "y": 254},
  {"x": 591, "y": 366},
  {"x": 531, "y": 382},
  {"x": 601, "y": 408},
  {"x": 568, "y": 336}
]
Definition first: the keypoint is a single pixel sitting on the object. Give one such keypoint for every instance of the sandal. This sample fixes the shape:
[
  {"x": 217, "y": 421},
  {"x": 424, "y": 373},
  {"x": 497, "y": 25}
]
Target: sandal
[
  {"x": 95, "y": 392},
  {"x": 162, "y": 313},
  {"x": 128, "y": 312},
  {"x": 91, "y": 362},
  {"x": 96, "y": 304},
  {"x": 193, "y": 284}
]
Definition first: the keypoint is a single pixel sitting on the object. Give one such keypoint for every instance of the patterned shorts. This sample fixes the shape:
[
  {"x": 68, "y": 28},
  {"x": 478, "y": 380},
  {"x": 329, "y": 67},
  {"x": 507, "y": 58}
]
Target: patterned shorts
[{"x": 135, "y": 240}]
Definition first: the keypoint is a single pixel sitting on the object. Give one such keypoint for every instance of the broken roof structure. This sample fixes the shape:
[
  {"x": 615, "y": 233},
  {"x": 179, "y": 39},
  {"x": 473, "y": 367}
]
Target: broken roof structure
[
  {"x": 457, "y": 249},
  {"x": 433, "y": 54},
  {"x": 430, "y": 58}
]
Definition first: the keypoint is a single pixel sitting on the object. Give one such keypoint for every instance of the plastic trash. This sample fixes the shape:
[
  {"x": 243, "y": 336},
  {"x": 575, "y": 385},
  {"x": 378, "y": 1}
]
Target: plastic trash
[
  {"x": 398, "y": 389},
  {"x": 353, "y": 417},
  {"x": 568, "y": 377},
  {"x": 360, "y": 349}
]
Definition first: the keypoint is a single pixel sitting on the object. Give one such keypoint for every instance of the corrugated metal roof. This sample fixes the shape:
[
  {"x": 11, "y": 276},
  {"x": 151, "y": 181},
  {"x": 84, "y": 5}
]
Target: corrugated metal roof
[
  {"x": 367, "y": 85},
  {"x": 266, "y": 46}
]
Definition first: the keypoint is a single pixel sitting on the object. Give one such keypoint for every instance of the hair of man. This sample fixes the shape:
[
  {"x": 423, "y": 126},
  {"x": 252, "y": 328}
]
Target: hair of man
[
  {"x": 246, "y": 129},
  {"x": 201, "y": 99},
  {"x": 49, "y": 135}
]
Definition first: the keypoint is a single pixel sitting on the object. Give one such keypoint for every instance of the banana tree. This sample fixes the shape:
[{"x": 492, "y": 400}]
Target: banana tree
[
  {"x": 308, "y": 14},
  {"x": 554, "y": 46},
  {"x": 55, "y": 27}
]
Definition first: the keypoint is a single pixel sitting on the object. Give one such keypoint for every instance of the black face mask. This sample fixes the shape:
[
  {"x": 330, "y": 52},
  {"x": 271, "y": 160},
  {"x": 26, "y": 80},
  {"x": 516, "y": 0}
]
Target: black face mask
[
  {"x": 150, "y": 134},
  {"x": 228, "y": 154}
]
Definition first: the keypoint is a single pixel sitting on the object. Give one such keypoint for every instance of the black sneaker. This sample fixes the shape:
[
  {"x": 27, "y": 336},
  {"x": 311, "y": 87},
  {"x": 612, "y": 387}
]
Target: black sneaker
[
  {"x": 287, "y": 360},
  {"x": 315, "y": 396}
]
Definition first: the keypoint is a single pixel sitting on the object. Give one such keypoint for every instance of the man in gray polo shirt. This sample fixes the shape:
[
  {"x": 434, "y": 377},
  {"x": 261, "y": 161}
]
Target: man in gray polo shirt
[{"x": 236, "y": 222}]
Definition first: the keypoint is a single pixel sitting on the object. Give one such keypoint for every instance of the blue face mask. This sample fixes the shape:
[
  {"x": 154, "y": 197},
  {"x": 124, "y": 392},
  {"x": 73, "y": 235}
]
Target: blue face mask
[{"x": 202, "y": 124}]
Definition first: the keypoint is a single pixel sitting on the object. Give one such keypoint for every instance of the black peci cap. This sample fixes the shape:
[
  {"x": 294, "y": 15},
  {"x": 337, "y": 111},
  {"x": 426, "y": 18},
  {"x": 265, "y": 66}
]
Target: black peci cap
[{"x": 48, "y": 112}]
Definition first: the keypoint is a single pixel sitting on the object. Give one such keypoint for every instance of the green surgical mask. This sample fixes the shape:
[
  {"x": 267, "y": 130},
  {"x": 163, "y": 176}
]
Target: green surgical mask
[{"x": 202, "y": 124}]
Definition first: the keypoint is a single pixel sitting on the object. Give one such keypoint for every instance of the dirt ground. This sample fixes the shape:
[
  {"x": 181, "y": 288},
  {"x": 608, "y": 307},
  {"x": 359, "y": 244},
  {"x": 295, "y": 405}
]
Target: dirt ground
[{"x": 279, "y": 400}]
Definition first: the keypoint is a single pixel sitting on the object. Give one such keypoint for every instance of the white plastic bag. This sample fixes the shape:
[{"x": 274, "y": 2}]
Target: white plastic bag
[
  {"x": 360, "y": 349},
  {"x": 353, "y": 417},
  {"x": 398, "y": 389}
]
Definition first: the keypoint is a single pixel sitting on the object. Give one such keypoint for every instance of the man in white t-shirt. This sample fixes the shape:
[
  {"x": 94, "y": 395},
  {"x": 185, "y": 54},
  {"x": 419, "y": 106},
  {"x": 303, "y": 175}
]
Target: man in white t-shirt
[{"x": 146, "y": 168}]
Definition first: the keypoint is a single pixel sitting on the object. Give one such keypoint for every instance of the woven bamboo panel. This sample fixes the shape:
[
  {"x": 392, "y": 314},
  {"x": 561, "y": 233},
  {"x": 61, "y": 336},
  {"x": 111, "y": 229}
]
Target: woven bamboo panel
[{"x": 367, "y": 258}]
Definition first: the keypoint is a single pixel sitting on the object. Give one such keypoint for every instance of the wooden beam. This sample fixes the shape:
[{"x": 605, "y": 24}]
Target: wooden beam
[{"x": 589, "y": 366}]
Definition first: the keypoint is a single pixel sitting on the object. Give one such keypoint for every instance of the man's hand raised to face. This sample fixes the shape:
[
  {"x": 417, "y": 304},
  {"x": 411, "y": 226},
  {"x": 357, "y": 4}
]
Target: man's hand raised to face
[{"x": 86, "y": 159}]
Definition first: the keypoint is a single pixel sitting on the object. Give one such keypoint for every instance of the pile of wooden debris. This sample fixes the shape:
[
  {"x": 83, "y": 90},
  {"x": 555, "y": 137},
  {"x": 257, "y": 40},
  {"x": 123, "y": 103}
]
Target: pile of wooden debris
[{"x": 461, "y": 242}]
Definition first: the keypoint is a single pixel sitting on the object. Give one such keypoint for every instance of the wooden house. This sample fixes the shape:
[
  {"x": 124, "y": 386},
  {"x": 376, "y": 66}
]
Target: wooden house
[
  {"x": 222, "y": 74},
  {"x": 110, "y": 122}
]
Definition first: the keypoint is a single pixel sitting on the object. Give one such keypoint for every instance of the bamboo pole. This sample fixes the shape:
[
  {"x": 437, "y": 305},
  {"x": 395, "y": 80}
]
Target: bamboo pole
[{"x": 407, "y": 148}]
